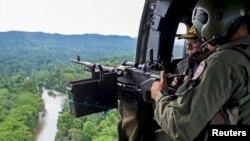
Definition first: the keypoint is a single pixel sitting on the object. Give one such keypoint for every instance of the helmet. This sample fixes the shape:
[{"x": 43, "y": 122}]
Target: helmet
[{"x": 217, "y": 20}]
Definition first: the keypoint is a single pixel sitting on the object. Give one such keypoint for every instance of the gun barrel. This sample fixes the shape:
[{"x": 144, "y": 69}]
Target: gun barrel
[
  {"x": 91, "y": 65},
  {"x": 86, "y": 64}
]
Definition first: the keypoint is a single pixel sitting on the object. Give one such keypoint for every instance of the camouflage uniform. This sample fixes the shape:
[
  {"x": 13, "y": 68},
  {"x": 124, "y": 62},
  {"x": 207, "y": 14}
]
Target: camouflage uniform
[
  {"x": 188, "y": 66},
  {"x": 187, "y": 63},
  {"x": 191, "y": 62},
  {"x": 221, "y": 84}
]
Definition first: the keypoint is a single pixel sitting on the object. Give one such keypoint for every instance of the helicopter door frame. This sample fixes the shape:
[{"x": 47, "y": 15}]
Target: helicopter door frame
[{"x": 159, "y": 23}]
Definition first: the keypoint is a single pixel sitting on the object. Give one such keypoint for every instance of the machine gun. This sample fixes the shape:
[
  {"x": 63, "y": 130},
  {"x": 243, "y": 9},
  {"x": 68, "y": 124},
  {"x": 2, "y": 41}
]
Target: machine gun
[{"x": 129, "y": 83}]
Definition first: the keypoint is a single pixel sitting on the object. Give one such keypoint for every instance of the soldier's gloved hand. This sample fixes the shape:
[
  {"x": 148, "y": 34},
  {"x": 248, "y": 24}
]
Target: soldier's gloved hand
[{"x": 159, "y": 86}]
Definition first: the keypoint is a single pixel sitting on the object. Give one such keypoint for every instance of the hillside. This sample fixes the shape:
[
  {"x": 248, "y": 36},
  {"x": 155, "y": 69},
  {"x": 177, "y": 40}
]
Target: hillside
[
  {"x": 67, "y": 45},
  {"x": 32, "y": 60},
  {"x": 37, "y": 48}
]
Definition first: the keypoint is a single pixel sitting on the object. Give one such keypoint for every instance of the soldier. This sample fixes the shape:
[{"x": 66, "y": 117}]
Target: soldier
[
  {"x": 219, "y": 92},
  {"x": 193, "y": 44},
  {"x": 196, "y": 52},
  {"x": 189, "y": 64}
]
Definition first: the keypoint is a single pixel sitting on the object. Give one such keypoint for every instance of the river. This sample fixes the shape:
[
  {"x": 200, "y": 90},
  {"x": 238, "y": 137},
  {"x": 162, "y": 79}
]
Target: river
[{"x": 46, "y": 129}]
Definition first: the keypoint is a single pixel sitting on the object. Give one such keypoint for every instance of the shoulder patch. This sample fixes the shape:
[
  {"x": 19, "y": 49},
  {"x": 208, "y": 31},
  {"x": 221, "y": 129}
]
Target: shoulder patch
[{"x": 199, "y": 70}]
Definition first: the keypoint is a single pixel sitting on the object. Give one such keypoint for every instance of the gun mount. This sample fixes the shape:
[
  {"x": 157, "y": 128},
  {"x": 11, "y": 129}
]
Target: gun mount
[{"x": 130, "y": 83}]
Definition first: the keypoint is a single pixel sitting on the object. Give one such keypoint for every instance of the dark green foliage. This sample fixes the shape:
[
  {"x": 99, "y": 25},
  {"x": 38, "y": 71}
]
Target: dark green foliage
[
  {"x": 30, "y": 61},
  {"x": 43, "y": 55},
  {"x": 19, "y": 108},
  {"x": 95, "y": 127},
  {"x": 40, "y": 49}
]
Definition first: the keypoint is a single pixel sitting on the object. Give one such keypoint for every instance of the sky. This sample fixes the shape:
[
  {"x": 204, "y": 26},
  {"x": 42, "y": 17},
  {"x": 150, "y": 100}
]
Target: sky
[{"x": 107, "y": 17}]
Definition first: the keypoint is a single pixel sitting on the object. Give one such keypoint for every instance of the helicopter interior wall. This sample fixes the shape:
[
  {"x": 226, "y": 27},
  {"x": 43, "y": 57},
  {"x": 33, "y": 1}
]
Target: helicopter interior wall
[
  {"x": 144, "y": 30},
  {"x": 248, "y": 25},
  {"x": 159, "y": 23},
  {"x": 176, "y": 13}
]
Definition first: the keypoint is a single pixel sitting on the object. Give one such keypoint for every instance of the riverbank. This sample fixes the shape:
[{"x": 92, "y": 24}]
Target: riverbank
[{"x": 47, "y": 125}]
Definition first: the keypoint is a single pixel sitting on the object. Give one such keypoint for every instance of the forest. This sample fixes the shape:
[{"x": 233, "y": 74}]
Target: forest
[{"x": 32, "y": 60}]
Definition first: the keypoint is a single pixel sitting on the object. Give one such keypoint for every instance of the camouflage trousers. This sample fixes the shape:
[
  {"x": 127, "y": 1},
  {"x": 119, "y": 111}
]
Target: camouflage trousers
[{"x": 137, "y": 125}]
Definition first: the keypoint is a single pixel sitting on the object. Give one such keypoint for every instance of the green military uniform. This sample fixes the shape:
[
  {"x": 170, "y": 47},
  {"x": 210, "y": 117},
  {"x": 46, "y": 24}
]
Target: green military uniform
[
  {"x": 220, "y": 82},
  {"x": 190, "y": 64},
  {"x": 136, "y": 125},
  {"x": 187, "y": 63}
]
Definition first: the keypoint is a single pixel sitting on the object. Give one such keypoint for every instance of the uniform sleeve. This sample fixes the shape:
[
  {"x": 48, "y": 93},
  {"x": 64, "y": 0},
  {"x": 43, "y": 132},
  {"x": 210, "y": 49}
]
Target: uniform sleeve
[{"x": 184, "y": 117}]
